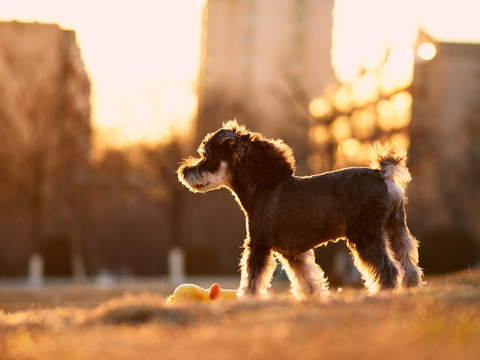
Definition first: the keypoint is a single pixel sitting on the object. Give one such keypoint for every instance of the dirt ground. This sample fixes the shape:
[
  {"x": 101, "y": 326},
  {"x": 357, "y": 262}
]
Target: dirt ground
[{"x": 439, "y": 321}]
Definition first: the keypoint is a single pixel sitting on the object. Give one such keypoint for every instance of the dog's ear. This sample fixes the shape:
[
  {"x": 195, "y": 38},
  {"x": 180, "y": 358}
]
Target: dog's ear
[
  {"x": 242, "y": 144},
  {"x": 228, "y": 137},
  {"x": 238, "y": 143}
]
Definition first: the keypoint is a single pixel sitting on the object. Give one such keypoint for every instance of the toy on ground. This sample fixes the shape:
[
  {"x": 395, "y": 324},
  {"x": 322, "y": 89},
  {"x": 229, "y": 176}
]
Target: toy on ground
[{"x": 191, "y": 292}]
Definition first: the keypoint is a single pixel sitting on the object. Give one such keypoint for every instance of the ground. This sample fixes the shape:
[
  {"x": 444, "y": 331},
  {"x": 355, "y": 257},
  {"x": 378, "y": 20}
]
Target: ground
[{"x": 439, "y": 321}]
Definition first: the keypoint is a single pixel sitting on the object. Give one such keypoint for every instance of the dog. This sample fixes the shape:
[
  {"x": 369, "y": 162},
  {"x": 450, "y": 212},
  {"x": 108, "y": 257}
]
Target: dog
[{"x": 287, "y": 215}]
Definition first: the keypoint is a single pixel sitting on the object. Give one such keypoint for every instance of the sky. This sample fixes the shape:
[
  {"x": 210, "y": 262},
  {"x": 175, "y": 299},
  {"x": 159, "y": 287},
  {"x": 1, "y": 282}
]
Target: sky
[
  {"x": 142, "y": 56},
  {"x": 363, "y": 30}
]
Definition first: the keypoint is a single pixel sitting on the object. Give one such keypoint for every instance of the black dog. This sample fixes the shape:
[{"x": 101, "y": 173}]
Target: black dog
[{"x": 287, "y": 216}]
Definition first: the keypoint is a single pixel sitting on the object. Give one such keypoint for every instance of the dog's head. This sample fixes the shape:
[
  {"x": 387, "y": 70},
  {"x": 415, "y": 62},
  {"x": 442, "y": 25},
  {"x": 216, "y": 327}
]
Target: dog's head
[
  {"x": 218, "y": 153},
  {"x": 232, "y": 156}
]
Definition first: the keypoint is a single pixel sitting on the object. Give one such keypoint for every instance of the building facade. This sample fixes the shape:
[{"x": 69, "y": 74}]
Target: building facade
[
  {"x": 45, "y": 131},
  {"x": 445, "y": 142},
  {"x": 262, "y": 62}
]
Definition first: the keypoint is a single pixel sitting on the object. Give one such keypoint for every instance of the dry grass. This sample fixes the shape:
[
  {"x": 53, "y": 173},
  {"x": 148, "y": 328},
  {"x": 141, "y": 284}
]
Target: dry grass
[{"x": 440, "y": 321}]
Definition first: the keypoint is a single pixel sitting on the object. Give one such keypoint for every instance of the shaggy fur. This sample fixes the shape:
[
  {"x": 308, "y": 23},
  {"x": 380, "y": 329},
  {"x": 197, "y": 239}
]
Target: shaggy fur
[{"x": 287, "y": 216}]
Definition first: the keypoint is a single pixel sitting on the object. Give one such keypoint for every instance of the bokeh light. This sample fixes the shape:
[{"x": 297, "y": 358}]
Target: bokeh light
[
  {"x": 427, "y": 51},
  {"x": 319, "y": 107}
]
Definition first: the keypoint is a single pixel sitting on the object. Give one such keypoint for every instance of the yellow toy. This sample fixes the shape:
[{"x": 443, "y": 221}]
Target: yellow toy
[{"x": 191, "y": 292}]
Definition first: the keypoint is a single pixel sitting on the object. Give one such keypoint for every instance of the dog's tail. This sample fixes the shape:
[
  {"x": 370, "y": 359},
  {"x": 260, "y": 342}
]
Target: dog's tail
[{"x": 393, "y": 166}]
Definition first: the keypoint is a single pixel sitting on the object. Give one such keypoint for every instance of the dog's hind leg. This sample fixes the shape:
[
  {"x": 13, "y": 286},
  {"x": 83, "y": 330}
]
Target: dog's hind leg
[
  {"x": 257, "y": 267},
  {"x": 374, "y": 259},
  {"x": 306, "y": 277},
  {"x": 404, "y": 247}
]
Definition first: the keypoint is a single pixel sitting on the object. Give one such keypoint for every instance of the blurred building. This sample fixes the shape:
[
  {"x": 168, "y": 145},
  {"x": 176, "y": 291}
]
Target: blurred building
[
  {"x": 445, "y": 148},
  {"x": 45, "y": 133},
  {"x": 262, "y": 62}
]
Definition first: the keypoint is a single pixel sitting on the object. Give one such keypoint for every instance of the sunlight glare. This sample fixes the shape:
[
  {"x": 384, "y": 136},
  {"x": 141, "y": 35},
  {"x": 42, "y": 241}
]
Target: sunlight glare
[
  {"x": 394, "y": 114},
  {"x": 319, "y": 107},
  {"x": 319, "y": 134},
  {"x": 365, "y": 89},
  {"x": 142, "y": 58},
  {"x": 349, "y": 147},
  {"x": 401, "y": 141},
  {"x": 401, "y": 106},
  {"x": 397, "y": 73},
  {"x": 340, "y": 128},
  {"x": 343, "y": 99},
  {"x": 363, "y": 122},
  {"x": 427, "y": 51},
  {"x": 364, "y": 30}
]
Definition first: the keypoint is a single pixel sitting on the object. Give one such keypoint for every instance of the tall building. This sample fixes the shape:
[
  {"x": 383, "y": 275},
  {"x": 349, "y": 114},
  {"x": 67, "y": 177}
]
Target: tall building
[
  {"x": 444, "y": 196},
  {"x": 445, "y": 140},
  {"x": 262, "y": 61},
  {"x": 45, "y": 132}
]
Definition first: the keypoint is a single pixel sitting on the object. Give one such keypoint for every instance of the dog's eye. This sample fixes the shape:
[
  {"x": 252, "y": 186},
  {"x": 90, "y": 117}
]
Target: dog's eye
[
  {"x": 201, "y": 152},
  {"x": 209, "y": 164},
  {"x": 204, "y": 153}
]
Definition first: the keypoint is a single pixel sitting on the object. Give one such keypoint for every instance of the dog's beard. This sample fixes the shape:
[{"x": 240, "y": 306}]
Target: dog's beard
[{"x": 202, "y": 181}]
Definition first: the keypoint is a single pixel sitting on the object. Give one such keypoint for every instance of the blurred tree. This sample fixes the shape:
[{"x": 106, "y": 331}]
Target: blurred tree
[
  {"x": 113, "y": 197},
  {"x": 160, "y": 163},
  {"x": 137, "y": 205}
]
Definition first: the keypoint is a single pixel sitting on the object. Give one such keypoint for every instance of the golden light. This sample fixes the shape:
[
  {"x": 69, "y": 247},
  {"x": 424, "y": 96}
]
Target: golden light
[
  {"x": 349, "y": 147},
  {"x": 319, "y": 134},
  {"x": 401, "y": 104},
  {"x": 343, "y": 99},
  {"x": 142, "y": 76},
  {"x": 340, "y": 128},
  {"x": 373, "y": 58},
  {"x": 319, "y": 107},
  {"x": 394, "y": 114},
  {"x": 386, "y": 116},
  {"x": 397, "y": 73},
  {"x": 364, "y": 31},
  {"x": 427, "y": 51},
  {"x": 363, "y": 122},
  {"x": 365, "y": 89},
  {"x": 401, "y": 141}
]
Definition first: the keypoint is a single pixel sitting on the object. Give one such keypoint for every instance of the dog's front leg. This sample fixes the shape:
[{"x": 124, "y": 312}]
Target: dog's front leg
[{"x": 257, "y": 266}]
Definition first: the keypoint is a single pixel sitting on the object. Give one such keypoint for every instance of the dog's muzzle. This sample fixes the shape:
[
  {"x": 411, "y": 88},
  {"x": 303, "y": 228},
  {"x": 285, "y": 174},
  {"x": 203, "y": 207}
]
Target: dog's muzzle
[{"x": 193, "y": 177}]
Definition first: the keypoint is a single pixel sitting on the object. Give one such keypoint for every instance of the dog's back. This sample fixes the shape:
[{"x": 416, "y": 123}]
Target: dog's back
[{"x": 315, "y": 209}]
